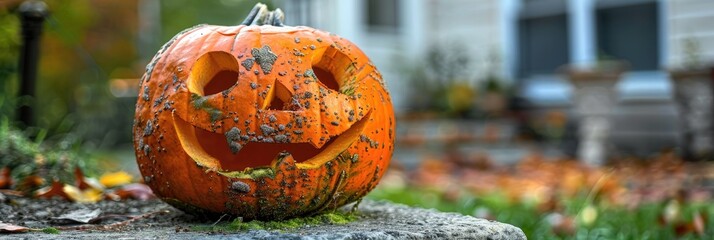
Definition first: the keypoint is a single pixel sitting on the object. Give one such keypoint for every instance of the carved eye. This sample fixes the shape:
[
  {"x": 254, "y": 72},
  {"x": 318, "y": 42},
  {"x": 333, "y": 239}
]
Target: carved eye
[
  {"x": 326, "y": 78},
  {"x": 334, "y": 69},
  {"x": 213, "y": 73},
  {"x": 223, "y": 80}
]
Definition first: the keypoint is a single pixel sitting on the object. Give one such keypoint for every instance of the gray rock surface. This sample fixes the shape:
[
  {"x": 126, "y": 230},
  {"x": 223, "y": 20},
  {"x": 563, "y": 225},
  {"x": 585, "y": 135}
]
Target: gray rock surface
[{"x": 378, "y": 220}]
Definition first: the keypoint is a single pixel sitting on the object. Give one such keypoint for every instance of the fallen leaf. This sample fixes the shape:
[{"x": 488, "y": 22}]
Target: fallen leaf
[
  {"x": 83, "y": 215},
  {"x": 115, "y": 179},
  {"x": 90, "y": 195},
  {"x": 561, "y": 225},
  {"x": 699, "y": 223},
  {"x": 30, "y": 184},
  {"x": 10, "y": 228},
  {"x": 136, "y": 191},
  {"x": 696, "y": 225},
  {"x": 54, "y": 190},
  {"x": 5, "y": 178},
  {"x": 14, "y": 193},
  {"x": 84, "y": 183}
]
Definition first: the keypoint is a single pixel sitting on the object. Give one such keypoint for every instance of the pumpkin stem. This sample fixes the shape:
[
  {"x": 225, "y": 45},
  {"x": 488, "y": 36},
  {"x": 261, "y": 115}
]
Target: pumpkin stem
[{"x": 260, "y": 15}]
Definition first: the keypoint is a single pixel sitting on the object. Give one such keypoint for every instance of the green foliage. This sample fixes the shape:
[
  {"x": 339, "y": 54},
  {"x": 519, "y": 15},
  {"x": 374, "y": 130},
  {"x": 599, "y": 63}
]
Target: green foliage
[
  {"x": 84, "y": 45},
  {"x": 9, "y": 53},
  {"x": 48, "y": 160},
  {"x": 612, "y": 222},
  {"x": 178, "y": 15},
  {"x": 337, "y": 218}
]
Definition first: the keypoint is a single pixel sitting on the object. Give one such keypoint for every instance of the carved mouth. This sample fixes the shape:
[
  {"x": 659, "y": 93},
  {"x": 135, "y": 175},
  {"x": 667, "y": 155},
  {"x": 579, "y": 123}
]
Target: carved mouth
[{"x": 211, "y": 150}]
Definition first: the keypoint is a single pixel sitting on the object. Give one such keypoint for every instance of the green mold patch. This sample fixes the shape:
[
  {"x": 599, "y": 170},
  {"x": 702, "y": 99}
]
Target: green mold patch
[
  {"x": 250, "y": 173},
  {"x": 331, "y": 218},
  {"x": 200, "y": 102}
]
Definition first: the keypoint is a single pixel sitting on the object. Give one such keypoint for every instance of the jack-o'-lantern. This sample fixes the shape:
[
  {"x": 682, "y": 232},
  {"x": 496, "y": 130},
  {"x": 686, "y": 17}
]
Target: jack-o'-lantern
[{"x": 261, "y": 120}]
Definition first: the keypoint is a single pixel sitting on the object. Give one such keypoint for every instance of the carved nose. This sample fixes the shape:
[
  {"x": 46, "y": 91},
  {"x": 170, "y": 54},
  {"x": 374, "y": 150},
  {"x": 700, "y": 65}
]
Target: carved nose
[{"x": 279, "y": 97}]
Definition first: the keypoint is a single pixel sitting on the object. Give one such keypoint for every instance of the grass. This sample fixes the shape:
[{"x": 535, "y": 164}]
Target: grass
[{"x": 610, "y": 222}]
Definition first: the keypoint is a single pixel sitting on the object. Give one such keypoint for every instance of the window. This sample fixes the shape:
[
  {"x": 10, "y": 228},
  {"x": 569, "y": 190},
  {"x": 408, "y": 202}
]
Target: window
[
  {"x": 543, "y": 44},
  {"x": 630, "y": 33},
  {"x": 382, "y": 15}
]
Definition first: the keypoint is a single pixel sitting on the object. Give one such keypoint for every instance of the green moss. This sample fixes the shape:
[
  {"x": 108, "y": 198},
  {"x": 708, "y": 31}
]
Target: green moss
[
  {"x": 50, "y": 230},
  {"x": 339, "y": 218},
  {"x": 250, "y": 173},
  {"x": 336, "y": 218}
]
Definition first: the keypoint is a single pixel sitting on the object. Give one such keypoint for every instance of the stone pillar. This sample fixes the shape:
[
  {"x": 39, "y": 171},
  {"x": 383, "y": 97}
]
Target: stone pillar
[
  {"x": 594, "y": 98},
  {"x": 694, "y": 98}
]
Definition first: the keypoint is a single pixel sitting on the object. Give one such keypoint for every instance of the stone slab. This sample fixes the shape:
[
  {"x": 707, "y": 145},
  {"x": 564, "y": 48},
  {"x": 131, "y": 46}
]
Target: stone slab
[{"x": 377, "y": 220}]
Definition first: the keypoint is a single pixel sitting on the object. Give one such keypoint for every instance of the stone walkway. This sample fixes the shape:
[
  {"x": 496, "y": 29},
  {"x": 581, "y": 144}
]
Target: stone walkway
[{"x": 378, "y": 220}]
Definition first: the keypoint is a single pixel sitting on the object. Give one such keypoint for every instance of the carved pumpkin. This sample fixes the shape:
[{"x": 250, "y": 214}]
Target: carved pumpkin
[{"x": 262, "y": 120}]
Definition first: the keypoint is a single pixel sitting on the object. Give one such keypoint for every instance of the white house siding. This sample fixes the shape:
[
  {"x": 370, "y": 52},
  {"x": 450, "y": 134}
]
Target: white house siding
[
  {"x": 474, "y": 24},
  {"x": 690, "y": 19}
]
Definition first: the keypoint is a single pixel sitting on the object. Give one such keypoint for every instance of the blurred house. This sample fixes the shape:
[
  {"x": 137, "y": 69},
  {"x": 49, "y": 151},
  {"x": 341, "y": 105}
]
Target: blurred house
[{"x": 533, "y": 41}]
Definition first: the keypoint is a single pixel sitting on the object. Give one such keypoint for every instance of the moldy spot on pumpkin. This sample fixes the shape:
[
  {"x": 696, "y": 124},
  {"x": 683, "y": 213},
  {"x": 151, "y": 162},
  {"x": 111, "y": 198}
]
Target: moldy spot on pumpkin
[
  {"x": 265, "y": 58},
  {"x": 145, "y": 95},
  {"x": 147, "y": 149},
  {"x": 309, "y": 73},
  {"x": 239, "y": 186},
  {"x": 248, "y": 63},
  {"x": 235, "y": 147},
  {"x": 267, "y": 130},
  {"x": 148, "y": 129},
  {"x": 281, "y": 138},
  {"x": 298, "y": 53}
]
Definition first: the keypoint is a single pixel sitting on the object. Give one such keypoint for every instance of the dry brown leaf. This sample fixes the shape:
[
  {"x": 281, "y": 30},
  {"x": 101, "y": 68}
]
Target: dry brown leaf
[
  {"x": 5, "y": 178},
  {"x": 697, "y": 225},
  {"x": 135, "y": 191},
  {"x": 11, "y": 228},
  {"x": 561, "y": 225},
  {"x": 54, "y": 190},
  {"x": 30, "y": 184},
  {"x": 84, "y": 183}
]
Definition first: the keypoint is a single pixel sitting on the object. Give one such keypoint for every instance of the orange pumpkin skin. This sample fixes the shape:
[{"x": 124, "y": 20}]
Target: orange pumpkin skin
[{"x": 262, "y": 122}]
